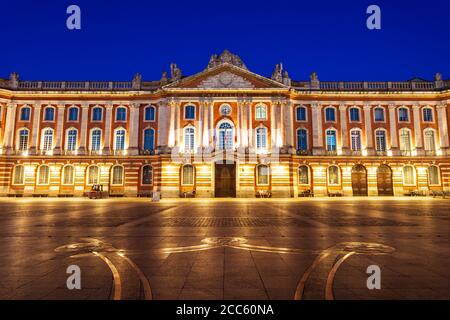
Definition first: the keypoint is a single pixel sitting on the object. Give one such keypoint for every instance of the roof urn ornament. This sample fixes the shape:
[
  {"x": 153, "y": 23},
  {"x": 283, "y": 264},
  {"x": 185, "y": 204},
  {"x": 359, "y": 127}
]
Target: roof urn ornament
[
  {"x": 164, "y": 78},
  {"x": 175, "y": 72},
  {"x": 137, "y": 80},
  {"x": 14, "y": 80}
]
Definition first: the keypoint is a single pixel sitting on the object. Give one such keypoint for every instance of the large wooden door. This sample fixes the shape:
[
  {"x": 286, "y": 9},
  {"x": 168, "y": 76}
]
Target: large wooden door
[
  {"x": 225, "y": 180},
  {"x": 359, "y": 180},
  {"x": 384, "y": 181}
]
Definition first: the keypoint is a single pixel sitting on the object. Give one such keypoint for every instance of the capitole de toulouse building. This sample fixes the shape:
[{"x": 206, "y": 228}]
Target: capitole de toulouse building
[{"x": 280, "y": 137}]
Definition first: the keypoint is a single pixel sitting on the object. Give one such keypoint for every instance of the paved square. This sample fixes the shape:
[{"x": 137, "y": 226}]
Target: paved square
[{"x": 225, "y": 249}]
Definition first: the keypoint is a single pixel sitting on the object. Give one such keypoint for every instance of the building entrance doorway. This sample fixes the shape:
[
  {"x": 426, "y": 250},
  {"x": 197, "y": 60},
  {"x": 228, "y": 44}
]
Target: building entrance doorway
[
  {"x": 384, "y": 181},
  {"x": 225, "y": 180},
  {"x": 359, "y": 180}
]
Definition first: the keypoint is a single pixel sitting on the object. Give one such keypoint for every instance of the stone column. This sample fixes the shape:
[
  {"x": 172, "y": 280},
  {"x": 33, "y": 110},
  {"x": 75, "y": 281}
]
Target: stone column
[
  {"x": 393, "y": 129},
  {"x": 206, "y": 130},
  {"x": 178, "y": 133},
  {"x": 59, "y": 144},
  {"x": 417, "y": 130},
  {"x": 289, "y": 127},
  {"x": 9, "y": 128},
  {"x": 133, "y": 143},
  {"x": 34, "y": 146},
  {"x": 171, "y": 110},
  {"x": 108, "y": 124},
  {"x": 212, "y": 130},
  {"x": 83, "y": 131},
  {"x": 273, "y": 124},
  {"x": 281, "y": 140},
  {"x": 243, "y": 124},
  {"x": 368, "y": 127},
  {"x": 199, "y": 126},
  {"x": 443, "y": 127},
  {"x": 344, "y": 131},
  {"x": 251, "y": 142},
  {"x": 162, "y": 134},
  {"x": 317, "y": 129},
  {"x": 239, "y": 126}
]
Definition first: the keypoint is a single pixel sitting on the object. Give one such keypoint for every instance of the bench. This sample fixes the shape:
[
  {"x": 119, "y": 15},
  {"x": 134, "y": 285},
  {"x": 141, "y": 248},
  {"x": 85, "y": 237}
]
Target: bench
[
  {"x": 263, "y": 194},
  {"x": 40, "y": 195},
  {"x": 188, "y": 194},
  {"x": 306, "y": 193},
  {"x": 145, "y": 194},
  {"x": 335, "y": 194},
  {"x": 415, "y": 193}
]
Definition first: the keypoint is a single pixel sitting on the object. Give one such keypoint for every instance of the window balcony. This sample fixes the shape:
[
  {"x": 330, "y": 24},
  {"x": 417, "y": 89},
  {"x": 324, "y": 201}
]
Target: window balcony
[
  {"x": 406, "y": 153},
  {"x": 430, "y": 153},
  {"x": 381, "y": 153},
  {"x": 331, "y": 152},
  {"x": 304, "y": 152}
]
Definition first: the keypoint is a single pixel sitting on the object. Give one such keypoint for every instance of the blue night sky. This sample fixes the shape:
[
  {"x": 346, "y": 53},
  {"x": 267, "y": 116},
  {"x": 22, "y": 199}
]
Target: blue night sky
[{"x": 120, "y": 38}]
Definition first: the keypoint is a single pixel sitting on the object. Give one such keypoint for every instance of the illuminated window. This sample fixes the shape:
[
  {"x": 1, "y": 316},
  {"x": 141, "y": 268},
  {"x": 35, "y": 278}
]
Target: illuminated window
[
  {"x": 330, "y": 114},
  {"x": 96, "y": 139},
  {"x": 25, "y": 113},
  {"x": 149, "y": 139},
  {"x": 333, "y": 175},
  {"x": 303, "y": 175},
  {"x": 405, "y": 141},
  {"x": 23, "y": 139},
  {"x": 147, "y": 175},
  {"x": 261, "y": 138},
  {"x": 403, "y": 115},
  {"x": 379, "y": 114},
  {"x": 121, "y": 114},
  {"x": 19, "y": 176},
  {"x": 225, "y": 136},
  {"x": 97, "y": 114},
  {"x": 433, "y": 175},
  {"x": 189, "y": 139},
  {"x": 262, "y": 175},
  {"x": 380, "y": 137},
  {"x": 427, "y": 114},
  {"x": 49, "y": 114},
  {"x": 302, "y": 139},
  {"x": 71, "y": 140},
  {"x": 47, "y": 143},
  {"x": 331, "y": 140},
  {"x": 409, "y": 177},
  {"x": 93, "y": 174},
  {"x": 261, "y": 112},
  {"x": 73, "y": 114},
  {"x": 354, "y": 115},
  {"x": 68, "y": 175},
  {"x": 187, "y": 175},
  {"x": 300, "y": 113},
  {"x": 189, "y": 112},
  {"x": 43, "y": 175},
  {"x": 149, "y": 113},
  {"x": 430, "y": 140},
  {"x": 117, "y": 175},
  {"x": 119, "y": 140},
  {"x": 355, "y": 137}
]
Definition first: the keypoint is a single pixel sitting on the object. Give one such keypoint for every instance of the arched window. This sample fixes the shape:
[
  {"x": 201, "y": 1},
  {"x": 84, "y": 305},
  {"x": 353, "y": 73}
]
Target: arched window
[
  {"x": 380, "y": 138},
  {"x": 43, "y": 175},
  {"x": 189, "y": 112},
  {"x": 93, "y": 175},
  {"x": 149, "y": 139},
  {"x": 405, "y": 141},
  {"x": 19, "y": 174},
  {"x": 379, "y": 114},
  {"x": 303, "y": 175},
  {"x": 117, "y": 175},
  {"x": 409, "y": 175},
  {"x": 96, "y": 139},
  {"x": 149, "y": 114},
  {"x": 302, "y": 139},
  {"x": 430, "y": 140},
  {"x": 330, "y": 114},
  {"x": 119, "y": 139},
  {"x": 24, "y": 135},
  {"x": 261, "y": 112},
  {"x": 189, "y": 139},
  {"x": 187, "y": 175},
  {"x": 97, "y": 114},
  {"x": 73, "y": 114},
  {"x": 331, "y": 140},
  {"x": 49, "y": 114},
  {"x": 121, "y": 114},
  {"x": 47, "y": 141},
  {"x": 355, "y": 137},
  {"x": 354, "y": 115},
  {"x": 25, "y": 113},
  {"x": 71, "y": 143},
  {"x": 261, "y": 138},
  {"x": 333, "y": 175},
  {"x": 403, "y": 114},
  {"x": 225, "y": 136},
  {"x": 427, "y": 114},
  {"x": 147, "y": 175},
  {"x": 262, "y": 175},
  {"x": 433, "y": 175},
  {"x": 300, "y": 113},
  {"x": 68, "y": 175}
]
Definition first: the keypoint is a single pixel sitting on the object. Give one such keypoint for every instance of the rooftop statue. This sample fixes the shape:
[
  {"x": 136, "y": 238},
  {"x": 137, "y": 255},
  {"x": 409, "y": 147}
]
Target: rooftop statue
[{"x": 226, "y": 57}]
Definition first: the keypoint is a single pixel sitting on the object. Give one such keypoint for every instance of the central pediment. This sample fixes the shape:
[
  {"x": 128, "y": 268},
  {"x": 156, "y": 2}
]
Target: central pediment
[{"x": 225, "y": 76}]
